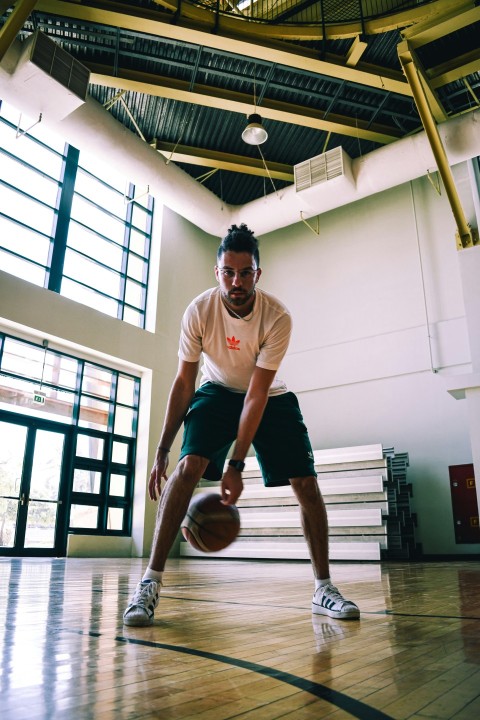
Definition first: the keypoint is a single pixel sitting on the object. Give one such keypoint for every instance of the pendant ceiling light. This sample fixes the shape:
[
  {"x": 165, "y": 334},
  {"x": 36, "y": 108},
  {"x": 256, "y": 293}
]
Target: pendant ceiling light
[{"x": 254, "y": 133}]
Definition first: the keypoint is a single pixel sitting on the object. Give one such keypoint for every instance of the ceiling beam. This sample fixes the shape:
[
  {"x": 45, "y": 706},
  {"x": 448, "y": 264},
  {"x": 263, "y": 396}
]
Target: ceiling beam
[
  {"x": 14, "y": 23},
  {"x": 355, "y": 52},
  {"x": 440, "y": 26},
  {"x": 232, "y": 35},
  {"x": 407, "y": 59},
  {"x": 455, "y": 69},
  {"x": 460, "y": 67},
  {"x": 221, "y": 99},
  {"x": 436, "y": 107},
  {"x": 223, "y": 161}
]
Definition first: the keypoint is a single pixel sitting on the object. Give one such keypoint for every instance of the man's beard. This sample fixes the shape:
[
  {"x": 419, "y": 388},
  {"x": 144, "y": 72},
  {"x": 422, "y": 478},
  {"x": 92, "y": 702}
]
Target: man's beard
[{"x": 239, "y": 300}]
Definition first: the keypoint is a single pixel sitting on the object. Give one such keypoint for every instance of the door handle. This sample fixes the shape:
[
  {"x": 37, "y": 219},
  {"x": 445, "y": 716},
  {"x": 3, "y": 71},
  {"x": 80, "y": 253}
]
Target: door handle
[{"x": 25, "y": 499}]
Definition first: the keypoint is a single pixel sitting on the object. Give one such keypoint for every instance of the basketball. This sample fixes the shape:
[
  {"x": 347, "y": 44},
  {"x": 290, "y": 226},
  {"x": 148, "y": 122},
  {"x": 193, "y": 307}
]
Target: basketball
[{"x": 209, "y": 525}]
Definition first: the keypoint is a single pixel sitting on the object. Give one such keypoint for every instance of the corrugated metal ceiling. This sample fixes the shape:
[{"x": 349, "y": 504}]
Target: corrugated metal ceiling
[{"x": 171, "y": 81}]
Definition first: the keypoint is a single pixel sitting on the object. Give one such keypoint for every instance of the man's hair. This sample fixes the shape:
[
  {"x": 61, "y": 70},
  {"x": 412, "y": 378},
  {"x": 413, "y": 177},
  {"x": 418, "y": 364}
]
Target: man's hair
[{"x": 240, "y": 239}]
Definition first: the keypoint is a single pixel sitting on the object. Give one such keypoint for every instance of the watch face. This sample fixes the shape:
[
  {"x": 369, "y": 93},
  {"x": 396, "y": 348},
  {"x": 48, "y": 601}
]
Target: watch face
[{"x": 237, "y": 464}]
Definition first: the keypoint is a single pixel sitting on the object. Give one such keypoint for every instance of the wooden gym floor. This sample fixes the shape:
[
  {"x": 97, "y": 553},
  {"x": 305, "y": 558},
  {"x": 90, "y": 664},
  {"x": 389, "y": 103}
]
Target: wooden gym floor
[{"x": 236, "y": 639}]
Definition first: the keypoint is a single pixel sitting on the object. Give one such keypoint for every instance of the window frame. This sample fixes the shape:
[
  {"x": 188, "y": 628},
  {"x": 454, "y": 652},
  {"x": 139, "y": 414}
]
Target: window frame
[
  {"x": 54, "y": 268},
  {"x": 106, "y": 465}
]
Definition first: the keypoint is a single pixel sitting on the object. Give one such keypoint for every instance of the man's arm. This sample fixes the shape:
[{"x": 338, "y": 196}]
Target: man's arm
[
  {"x": 179, "y": 399},
  {"x": 253, "y": 408}
]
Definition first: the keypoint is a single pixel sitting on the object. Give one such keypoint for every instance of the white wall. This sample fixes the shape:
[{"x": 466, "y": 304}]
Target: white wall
[{"x": 364, "y": 361}]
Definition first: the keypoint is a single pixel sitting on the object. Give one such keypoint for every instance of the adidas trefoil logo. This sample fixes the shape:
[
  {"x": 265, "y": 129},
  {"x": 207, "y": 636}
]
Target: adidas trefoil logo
[{"x": 232, "y": 343}]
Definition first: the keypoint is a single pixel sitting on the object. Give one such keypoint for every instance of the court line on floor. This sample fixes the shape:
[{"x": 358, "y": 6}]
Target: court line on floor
[
  {"x": 356, "y": 708},
  {"x": 425, "y": 615},
  {"x": 370, "y": 613},
  {"x": 387, "y": 612}
]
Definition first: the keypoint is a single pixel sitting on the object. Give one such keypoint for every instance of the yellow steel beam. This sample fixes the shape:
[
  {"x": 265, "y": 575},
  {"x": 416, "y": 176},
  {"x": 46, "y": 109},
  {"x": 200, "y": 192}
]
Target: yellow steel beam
[
  {"x": 14, "y": 23},
  {"x": 439, "y": 26},
  {"x": 241, "y": 103},
  {"x": 472, "y": 93},
  {"x": 224, "y": 161},
  {"x": 356, "y": 51},
  {"x": 456, "y": 69},
  {"x": 465, "y": 237},
  {"x": 433, "y": 101},
  {"x": 243, "y": 38}
]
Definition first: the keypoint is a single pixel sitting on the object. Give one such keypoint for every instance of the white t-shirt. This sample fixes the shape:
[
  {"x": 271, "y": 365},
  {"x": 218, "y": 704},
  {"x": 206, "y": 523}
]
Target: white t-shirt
[{"x": 232, "y": 347}]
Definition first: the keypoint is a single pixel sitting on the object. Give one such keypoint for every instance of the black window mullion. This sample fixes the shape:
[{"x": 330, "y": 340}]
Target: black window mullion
[
  {"x": 107, "y": 463},
  {"x": 112, "y": 405},
  {"x": 149, "y": 230},
  {"x": 78, "y": 392},
  {"x": 28, "y": 261},
  {"x": 126, "y": 247},
  {"x": 63, "y": 220},
  {"x": 29, "y": 166}
]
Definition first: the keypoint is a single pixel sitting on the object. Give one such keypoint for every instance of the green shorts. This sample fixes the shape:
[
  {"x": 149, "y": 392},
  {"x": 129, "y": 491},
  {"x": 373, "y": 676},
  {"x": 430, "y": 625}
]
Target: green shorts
[{"x": 281, "y": 443}]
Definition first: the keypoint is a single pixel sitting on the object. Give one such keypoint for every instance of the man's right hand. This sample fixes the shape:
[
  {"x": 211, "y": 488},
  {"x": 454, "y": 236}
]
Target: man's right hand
[
  {"x": 159, "y": 471},
  {"x": 179, "y": 399}
]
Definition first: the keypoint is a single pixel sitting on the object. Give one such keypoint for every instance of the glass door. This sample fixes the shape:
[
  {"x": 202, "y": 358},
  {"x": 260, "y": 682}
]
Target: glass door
[{"x": 33, "y": 487}]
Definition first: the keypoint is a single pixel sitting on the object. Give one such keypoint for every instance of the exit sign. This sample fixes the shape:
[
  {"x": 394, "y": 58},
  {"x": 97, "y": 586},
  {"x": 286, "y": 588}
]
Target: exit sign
[{"x": 39, "y": 397}]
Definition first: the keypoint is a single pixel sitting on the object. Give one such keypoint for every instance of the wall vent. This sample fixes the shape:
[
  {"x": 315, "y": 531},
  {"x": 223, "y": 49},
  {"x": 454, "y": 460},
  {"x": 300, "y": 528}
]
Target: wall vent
[
  {"x": 54, "y": 78},
  {"x": 322, "y": 168}
]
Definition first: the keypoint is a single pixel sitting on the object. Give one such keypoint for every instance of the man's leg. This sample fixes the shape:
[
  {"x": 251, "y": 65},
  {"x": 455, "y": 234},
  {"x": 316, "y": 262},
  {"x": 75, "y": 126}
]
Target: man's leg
[
  {"x": 314, "y": 522},
  {"x": 172, "y": 508},
  {"x": 327, "y": 600},
  {"x": 173, "y": 505}
]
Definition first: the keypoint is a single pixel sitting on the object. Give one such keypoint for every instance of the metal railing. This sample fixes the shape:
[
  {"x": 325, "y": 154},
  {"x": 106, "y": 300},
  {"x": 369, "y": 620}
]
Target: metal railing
[{"x": 307, "y": 12}]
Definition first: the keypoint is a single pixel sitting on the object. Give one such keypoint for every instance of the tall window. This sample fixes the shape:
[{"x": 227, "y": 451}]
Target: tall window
[
  {"x": 102, "y": 406},
  {"x": 72, "y": 226}
]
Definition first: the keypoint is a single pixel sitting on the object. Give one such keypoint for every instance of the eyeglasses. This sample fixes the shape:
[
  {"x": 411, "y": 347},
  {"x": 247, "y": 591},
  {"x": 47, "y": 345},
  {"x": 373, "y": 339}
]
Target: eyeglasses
[{"x": 229, "y": 274}]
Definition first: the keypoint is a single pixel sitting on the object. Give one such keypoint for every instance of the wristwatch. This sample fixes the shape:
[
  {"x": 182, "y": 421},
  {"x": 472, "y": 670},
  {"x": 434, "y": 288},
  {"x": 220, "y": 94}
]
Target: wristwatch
[{"x": 237, "y": 464}]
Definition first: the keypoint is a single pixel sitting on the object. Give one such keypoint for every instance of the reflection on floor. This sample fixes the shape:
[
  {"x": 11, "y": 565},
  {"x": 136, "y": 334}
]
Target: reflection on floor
[{"x": 237, "y": 639}]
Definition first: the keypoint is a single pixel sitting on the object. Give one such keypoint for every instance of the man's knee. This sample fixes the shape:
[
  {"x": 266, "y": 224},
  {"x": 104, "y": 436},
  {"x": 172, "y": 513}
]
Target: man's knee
[
  {"x": 306, "y": 489},
  {"x": 191, "y": 468}
]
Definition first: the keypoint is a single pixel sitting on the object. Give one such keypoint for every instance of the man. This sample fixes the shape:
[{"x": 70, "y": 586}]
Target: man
[{"x": 242, "y": 334}]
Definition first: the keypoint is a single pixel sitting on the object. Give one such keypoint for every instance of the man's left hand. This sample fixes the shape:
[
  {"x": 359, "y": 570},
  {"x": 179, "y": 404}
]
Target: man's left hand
[{"x": 231, "y": 486}]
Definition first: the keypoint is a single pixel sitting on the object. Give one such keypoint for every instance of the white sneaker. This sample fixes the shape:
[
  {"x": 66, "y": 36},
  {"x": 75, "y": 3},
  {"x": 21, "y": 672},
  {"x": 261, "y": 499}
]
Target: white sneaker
[
  {"x": 327, "y": 600},
  {"x": 144, "y": 601}
]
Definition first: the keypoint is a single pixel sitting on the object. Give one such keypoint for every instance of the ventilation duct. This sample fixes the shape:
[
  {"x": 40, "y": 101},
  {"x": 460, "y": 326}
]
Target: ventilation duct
[
  {"x": 322, "y": 168},
  {"x": 51, "y": 76}
]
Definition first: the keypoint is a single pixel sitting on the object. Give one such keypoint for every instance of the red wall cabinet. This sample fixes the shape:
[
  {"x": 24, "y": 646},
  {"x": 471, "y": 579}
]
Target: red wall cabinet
[{"x": 464, "y": 503}]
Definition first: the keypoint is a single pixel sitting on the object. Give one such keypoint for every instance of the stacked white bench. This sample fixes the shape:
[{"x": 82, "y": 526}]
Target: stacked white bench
[{"x": 356, "y": 485}]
